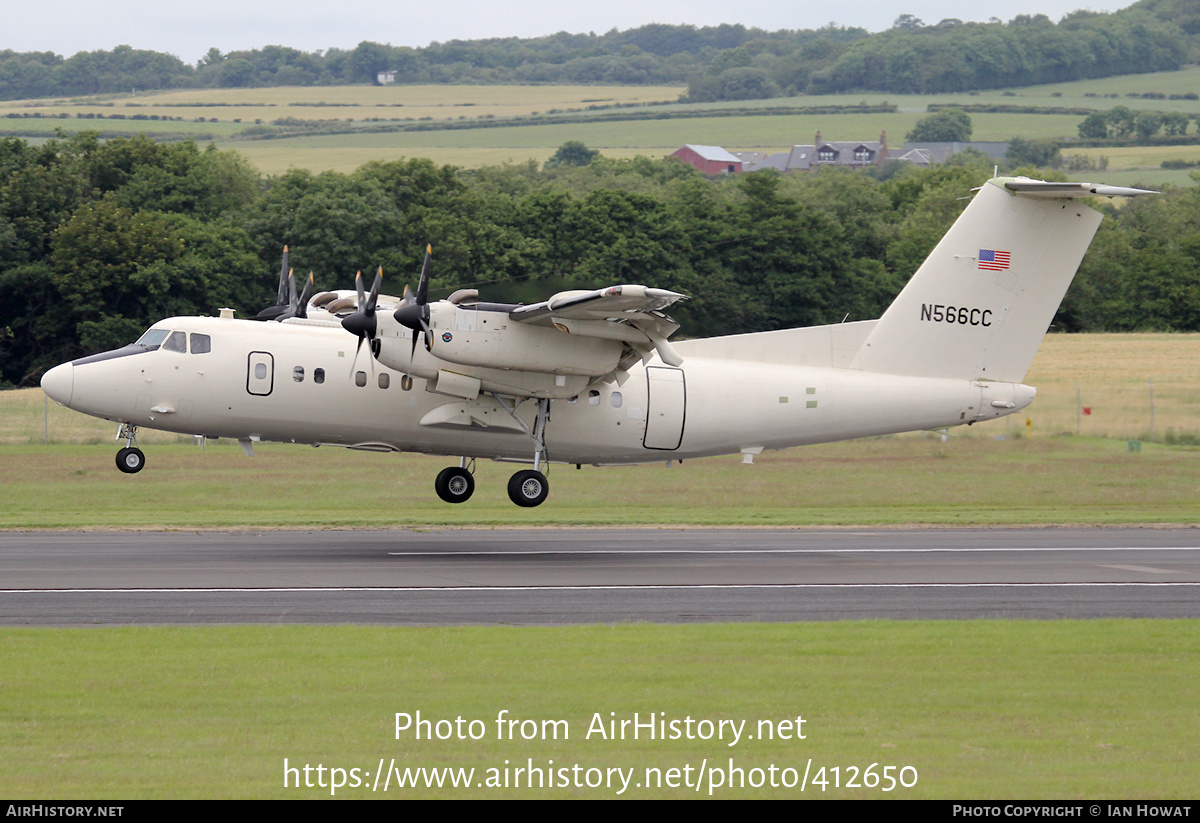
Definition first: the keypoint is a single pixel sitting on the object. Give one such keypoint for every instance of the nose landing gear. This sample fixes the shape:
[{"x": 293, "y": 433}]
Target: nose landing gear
[{"x": 130, "y": 459}]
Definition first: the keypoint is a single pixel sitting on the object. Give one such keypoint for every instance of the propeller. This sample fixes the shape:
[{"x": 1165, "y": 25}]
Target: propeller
[
  {"x": 286, "y": 297},
  {"x": 362, "y": 323},
  {"x": 413, "y": 313}
]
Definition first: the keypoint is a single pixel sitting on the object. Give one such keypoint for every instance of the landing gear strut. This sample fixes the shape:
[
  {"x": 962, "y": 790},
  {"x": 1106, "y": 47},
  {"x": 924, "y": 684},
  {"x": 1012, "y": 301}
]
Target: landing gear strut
[
  {"x": 455, "y": 484},
  {"x": 526, "y": 488},
  {"x": 529, "y": 487},
  {"x": 130, "y": 459}
]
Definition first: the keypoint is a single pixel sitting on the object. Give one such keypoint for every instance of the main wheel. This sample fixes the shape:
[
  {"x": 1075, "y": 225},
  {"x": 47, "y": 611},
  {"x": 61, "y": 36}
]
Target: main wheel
[
  {"x": 131, "y": 460},
  {"x": 454, "y": 485},
  {"x": 528, "y": 488}
]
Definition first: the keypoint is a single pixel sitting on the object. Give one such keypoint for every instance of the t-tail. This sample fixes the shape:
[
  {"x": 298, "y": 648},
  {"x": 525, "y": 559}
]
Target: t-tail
[{"x": 980, "y": 304}]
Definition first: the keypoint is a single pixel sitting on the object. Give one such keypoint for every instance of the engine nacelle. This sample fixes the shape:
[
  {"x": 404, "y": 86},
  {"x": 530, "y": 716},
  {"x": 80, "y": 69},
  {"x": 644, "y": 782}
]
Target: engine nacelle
[{"x": 472, "y": 336}]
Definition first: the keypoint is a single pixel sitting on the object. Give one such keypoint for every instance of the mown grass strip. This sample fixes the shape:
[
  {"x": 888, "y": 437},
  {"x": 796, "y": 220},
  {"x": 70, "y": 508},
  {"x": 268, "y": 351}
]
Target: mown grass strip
[
  {"x": 981, "y": 709},
  {"x": 889, "y": 481}
]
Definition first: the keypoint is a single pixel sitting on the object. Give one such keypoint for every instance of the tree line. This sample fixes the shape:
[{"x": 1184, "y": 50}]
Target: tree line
[
  {"x": 726, "y": 62},
  {"x": 100, "y": 239}
]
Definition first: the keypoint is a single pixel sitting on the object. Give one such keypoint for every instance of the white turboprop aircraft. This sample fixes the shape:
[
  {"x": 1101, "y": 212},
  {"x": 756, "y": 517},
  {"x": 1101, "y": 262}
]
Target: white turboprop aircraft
[{"x": 590, "y": 377}]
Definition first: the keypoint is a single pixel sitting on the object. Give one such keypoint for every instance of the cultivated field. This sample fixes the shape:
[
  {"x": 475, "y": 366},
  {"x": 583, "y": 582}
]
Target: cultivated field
[{"x": 224, "y": 114}]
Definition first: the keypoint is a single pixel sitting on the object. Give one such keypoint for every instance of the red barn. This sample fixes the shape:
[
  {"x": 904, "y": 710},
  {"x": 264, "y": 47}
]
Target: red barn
[{"x": 709, "y": 159}]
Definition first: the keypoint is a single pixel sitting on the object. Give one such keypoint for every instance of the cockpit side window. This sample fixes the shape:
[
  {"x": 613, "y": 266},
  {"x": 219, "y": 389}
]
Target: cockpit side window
[
  {"x": 153, "y": 338},
  {"x": 201, "y": 343},
  {"x": 176, "y": 342}
]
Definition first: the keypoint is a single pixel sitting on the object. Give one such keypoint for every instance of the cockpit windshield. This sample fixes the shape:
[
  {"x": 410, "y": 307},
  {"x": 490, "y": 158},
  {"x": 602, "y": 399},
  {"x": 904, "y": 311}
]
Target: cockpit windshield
[{"x": 153, "y": 338}]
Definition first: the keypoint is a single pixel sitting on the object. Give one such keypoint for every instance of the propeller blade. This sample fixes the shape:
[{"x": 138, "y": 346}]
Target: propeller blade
[
  {"x": 423, "y": 283},
  {"x": 292, "y": 296},
  {"x": 354, "y": 362},
  {"x": 374, "y": 296},
  {"x": 302, "y": 305},
  {"x": 281, "y": 300}
]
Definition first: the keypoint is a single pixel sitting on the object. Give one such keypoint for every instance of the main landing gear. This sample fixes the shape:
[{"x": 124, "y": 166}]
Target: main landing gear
[
  {"x": 455, "y": 484},
  {"x": 130, "y": 459},
  {"x": 526, "y": 488}
]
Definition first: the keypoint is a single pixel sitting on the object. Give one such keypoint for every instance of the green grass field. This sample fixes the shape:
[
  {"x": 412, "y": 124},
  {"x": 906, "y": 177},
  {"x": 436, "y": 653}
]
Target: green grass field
[
  {"x": 890, "y": 481},
  {"x": 975, "y": 709}
]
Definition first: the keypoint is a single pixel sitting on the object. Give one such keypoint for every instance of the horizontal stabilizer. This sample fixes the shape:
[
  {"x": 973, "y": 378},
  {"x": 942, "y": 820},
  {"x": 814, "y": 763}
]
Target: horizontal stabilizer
[{"x": 1068, "y": 190}]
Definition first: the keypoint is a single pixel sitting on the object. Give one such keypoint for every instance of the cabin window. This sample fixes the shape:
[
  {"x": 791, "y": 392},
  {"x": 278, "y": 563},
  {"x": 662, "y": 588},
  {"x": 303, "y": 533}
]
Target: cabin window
[
  {"x": 201, "y": 344},
  {"x": 593, "y": 398},
  {"x": 615, "y": 398},
  {"x": 318, "y": 375},
  {"x": 298, "y": 374},
  {"x": 178, "y": 342},
  {"x": 360, "y": 379},
  {"x": 385, "y": 380},
  {"x": 573, "y": 400}
]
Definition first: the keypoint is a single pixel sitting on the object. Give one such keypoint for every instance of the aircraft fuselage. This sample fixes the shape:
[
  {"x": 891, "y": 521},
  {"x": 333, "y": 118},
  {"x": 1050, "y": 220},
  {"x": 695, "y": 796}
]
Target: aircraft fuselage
[{"x": 303, "y": 383}]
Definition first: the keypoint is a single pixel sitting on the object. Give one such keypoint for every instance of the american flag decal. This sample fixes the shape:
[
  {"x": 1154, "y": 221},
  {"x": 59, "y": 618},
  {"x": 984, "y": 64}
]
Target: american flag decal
[{"x": 994, "y": 259}]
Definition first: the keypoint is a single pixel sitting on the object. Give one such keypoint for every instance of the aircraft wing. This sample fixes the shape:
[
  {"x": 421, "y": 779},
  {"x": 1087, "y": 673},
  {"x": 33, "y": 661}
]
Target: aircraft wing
[
  {"x": 629, "y": 313},
  {"x": 614, "y": 302}
]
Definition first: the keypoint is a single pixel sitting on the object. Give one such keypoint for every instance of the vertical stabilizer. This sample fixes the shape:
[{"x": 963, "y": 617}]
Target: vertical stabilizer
[{"x": 979, "y": 305}]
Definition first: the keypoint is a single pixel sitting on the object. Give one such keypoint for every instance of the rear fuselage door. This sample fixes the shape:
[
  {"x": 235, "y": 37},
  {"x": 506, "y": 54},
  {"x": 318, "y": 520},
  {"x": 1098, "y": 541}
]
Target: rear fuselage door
[
  {"x": 666, "y": 405},
  {"x": 260, "y": 373}
]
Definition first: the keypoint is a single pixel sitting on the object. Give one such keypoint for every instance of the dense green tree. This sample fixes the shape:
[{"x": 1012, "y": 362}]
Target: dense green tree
[
  {"x": 235, "y": 73},
  {"x": 945, "y": 126},
  {"x": 1037, "y": 153},
  {"x": 1148, "y": 124},
  {"x": 1121, "y": 121},
  {"x": 1175, "y": 122},
  {"x": 1094, "y": 126},
  {"x": 572, "y": 153}
]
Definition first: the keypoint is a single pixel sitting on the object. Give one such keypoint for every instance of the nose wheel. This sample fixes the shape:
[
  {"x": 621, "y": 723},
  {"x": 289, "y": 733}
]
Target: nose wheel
[{"x": 130, "y": 459}]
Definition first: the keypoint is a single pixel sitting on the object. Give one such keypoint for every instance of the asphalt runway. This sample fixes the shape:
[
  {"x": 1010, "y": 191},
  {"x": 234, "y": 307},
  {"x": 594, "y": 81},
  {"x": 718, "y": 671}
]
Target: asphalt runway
[{"x": 565, "y": 576}]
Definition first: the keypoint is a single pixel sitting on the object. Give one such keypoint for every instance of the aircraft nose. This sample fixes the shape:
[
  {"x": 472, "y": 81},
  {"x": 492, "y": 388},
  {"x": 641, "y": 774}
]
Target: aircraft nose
[{"x": 59, "y": 383}]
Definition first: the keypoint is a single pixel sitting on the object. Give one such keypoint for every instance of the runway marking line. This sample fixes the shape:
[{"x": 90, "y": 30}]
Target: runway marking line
[
  {"x": 745, "y": 551},
  {"x": 597, "y": 587},
  {"x": 1144, "y": 569}
]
